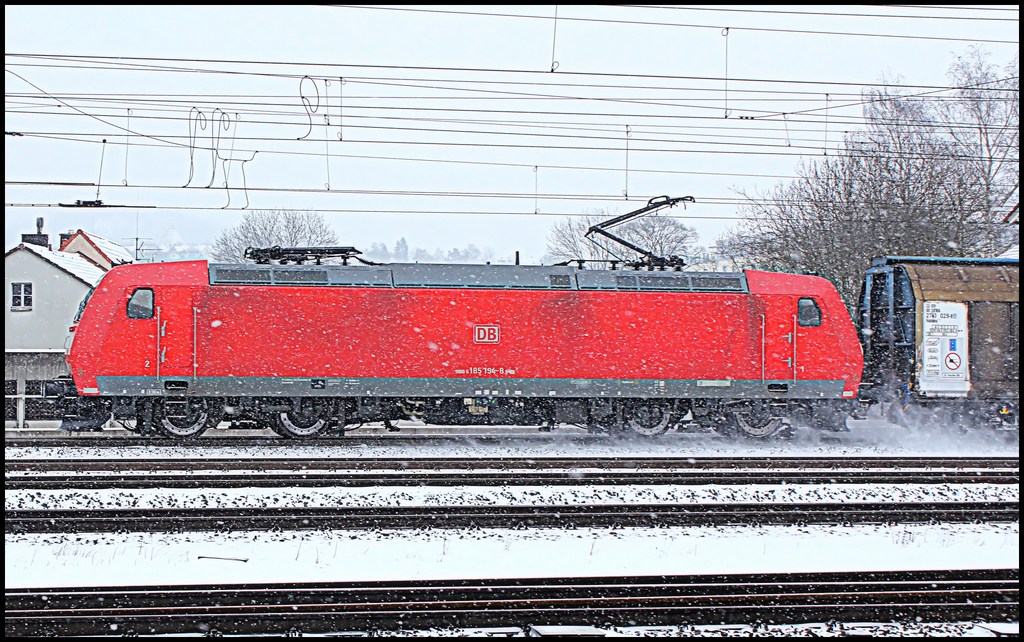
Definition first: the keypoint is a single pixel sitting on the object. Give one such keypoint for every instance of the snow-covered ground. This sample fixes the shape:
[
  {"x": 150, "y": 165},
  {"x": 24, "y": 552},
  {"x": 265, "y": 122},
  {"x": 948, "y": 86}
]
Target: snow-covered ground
[
  {"x": 818, "y": 629},
  {"x": 505, "y": 496},
  {"x": 86, "y": 559},
  {"x": 866, "y": 438},
  {"x": 83, "y": 559}
]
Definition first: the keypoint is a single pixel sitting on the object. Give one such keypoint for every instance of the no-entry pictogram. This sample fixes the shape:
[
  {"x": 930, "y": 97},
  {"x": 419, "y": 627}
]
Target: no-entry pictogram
[{"x": 952, "y": 361}]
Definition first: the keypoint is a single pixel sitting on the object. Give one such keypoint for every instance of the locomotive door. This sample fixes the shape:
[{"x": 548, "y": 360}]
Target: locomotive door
[
  {"x": 816, "y": 342},
  {"x": 779, "y": 340},
  {"x": 136, "y": 345},
  {"x": 176, "y": 334}
]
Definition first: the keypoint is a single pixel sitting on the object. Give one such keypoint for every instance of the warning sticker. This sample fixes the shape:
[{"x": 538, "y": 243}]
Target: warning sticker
[
  {"x": 952, "y": 360},
  {"x": 942, "y": 350}
]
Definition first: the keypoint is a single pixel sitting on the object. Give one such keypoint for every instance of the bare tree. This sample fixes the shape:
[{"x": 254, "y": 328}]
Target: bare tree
[
  {"x": 267, "y": 228},
  {"x": 920, "y": 179},
  {"x": 983, "y": 124},
  {"x": 660, "y": 235}
]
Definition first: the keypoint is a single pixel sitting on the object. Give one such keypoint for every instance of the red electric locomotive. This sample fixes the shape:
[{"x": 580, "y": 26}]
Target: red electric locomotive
[{"x": 311, "y": 349}]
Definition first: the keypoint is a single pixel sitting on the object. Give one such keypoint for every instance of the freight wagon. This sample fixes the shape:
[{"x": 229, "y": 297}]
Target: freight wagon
[{"x": 941, "y": 336}]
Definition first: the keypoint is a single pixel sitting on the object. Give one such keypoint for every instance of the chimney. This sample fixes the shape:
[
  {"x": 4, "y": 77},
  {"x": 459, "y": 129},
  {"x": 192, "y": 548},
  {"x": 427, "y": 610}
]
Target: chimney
[
  {"x": 64, "y": 238},
  {"x": 40, "y": 239}
]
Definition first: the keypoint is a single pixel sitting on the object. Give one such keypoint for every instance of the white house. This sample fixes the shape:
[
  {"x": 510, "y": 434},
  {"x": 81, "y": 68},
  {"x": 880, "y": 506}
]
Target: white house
[
  {"x": 1013, "y": 218},
  {"x": 44, "y": 289},
  {"x": 101, "y": 251}
]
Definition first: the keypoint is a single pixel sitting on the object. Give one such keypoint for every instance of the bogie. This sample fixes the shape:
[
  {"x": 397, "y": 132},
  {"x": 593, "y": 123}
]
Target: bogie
[
  {"x": 755, "y": 419},
  {"x": 186, "y": 417},
  {"x": 306, "y": 418},
  {"x": 649, "y": 417}
]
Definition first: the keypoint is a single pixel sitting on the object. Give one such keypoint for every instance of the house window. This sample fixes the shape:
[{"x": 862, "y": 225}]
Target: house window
[{"x": 21, "y": 296}]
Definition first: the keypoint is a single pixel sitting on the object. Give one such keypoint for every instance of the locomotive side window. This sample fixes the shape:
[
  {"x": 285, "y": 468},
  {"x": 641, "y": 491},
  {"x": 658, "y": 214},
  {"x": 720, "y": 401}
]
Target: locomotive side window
[
  {"x": 808, "y": 314},
  {"x": 140, "y": 306}
]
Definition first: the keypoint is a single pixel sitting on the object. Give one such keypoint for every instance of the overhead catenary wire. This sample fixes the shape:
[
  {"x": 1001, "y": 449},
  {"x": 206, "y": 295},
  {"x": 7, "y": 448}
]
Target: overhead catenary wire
[
  {"x": 831, "y": 14},
  {"x": 706, "y": 122},
  {"x": 932, "y": 7},
  {"x": 331, "y": 68},
  {"x": 882, "y": 210},
  {"x": 703, "y": 199},
  {"x": 666, "y": 24},
  {"x": 774, "y": 113},
  {"x": 652, "y": 129},
  {"x": 786, "y": 115},
  {"x": 761, "y": 149},
  {"x": 670, "y": 114}
]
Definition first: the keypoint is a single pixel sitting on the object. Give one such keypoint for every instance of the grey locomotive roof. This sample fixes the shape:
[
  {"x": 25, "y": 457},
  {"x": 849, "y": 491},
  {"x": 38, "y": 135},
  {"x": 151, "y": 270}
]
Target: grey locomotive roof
[
  {"x": 943, "y": 260},
  {"x": 505, "y": 277}
]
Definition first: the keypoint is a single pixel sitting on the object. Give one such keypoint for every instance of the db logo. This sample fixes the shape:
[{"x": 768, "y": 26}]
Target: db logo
[{"x": 486, "y": 334}]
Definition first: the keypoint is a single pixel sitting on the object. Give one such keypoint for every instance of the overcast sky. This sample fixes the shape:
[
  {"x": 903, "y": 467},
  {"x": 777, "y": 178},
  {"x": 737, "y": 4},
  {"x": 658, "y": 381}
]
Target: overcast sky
[{"x": 444, "y": 125}]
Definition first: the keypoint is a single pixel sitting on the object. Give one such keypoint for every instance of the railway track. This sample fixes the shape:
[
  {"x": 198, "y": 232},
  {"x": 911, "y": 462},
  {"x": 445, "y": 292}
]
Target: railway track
[
  {"x": 71, "y": 474},
  {"x": 879, "y": 596},
  {"x": 509, "y": 517},
  {"x": 118, "y": 440}
]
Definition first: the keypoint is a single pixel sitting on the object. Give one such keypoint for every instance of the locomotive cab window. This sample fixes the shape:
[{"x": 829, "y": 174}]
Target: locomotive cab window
[
  {"x": 808, "y": 314},
  {"x": 140, "y": 306},
  {"x": 81, "y": 306}
]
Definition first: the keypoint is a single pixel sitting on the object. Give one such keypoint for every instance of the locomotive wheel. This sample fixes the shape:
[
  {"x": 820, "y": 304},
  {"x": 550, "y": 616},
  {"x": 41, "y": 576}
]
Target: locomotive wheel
[
  {"x": 198, "y": 417},
  {"x": 755, "y": 423},
  {"x": 648, "y": 419},
  {"x": 305, "y": 419}
]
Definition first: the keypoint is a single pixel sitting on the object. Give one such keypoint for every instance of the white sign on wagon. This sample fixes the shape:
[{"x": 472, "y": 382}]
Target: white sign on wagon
[{"x": 942, "y": 350}]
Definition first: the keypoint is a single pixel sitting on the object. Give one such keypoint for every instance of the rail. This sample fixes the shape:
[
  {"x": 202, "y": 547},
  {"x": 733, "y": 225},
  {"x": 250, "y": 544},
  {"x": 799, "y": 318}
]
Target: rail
[
  {"x": 323, "y": 608},
  {"x": 70, "y": 474},
  {"x": 546, "y": 516}
]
